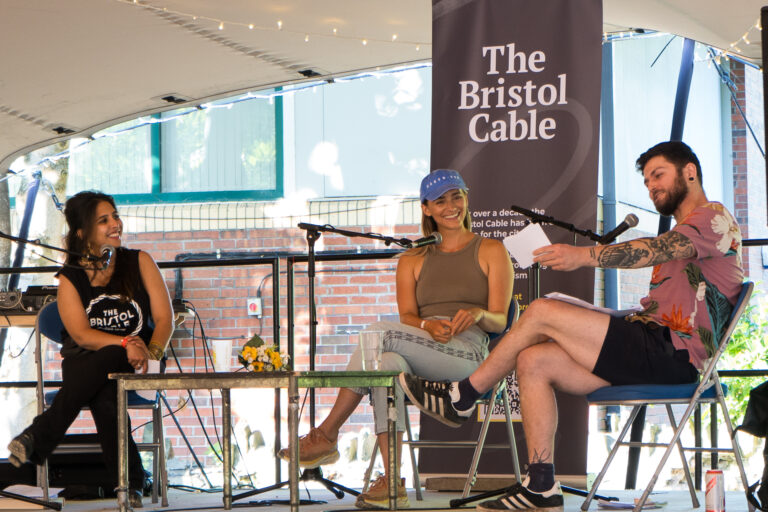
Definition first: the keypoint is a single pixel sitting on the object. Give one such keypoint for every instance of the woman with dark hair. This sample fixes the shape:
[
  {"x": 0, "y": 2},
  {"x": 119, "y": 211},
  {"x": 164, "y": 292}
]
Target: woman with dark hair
[
  {"x": 449, "y": 296},
  {"x": 116, "y": 317}
]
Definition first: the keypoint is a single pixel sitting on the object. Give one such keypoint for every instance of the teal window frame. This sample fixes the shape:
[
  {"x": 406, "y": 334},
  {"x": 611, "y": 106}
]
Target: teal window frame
[{"x": 157, "y": 196}]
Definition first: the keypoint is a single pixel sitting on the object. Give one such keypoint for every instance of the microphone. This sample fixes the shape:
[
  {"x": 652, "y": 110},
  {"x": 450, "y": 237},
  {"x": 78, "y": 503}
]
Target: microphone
[
  {"x": 435, "y": 238},
  {"x": 107, "y": 253},
  {"x": 629, "y": 221}
]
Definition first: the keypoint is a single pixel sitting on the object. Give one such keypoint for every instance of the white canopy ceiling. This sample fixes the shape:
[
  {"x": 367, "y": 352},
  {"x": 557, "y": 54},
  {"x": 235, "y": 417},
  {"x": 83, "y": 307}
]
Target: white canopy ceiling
[{"x": 83, "y": 65}]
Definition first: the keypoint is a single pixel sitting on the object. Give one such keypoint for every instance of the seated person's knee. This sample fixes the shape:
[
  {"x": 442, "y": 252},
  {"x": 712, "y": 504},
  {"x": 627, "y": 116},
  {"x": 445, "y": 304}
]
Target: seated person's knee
[
  {"x": 392, "y": 361},
  {"x": 541, "y": 306},
  {"x": 531, "y": 360}
]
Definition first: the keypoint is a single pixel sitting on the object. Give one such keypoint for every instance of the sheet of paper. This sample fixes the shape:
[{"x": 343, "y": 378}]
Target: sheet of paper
[
  {"x": 522, "y": 244},
  {"x": 29, "y": 491},
  {"x": 584, "y": 304},
  {"x": 624, "y": 505}
]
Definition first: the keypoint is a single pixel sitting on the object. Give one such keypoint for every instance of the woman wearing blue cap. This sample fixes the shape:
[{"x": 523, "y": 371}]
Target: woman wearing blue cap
[{"x": 449, "y": 297}]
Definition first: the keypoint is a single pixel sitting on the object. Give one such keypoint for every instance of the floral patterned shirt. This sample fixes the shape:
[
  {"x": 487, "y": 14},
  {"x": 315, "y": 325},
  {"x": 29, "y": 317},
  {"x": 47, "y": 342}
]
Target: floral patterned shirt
[{"x": 694, "y": 297}]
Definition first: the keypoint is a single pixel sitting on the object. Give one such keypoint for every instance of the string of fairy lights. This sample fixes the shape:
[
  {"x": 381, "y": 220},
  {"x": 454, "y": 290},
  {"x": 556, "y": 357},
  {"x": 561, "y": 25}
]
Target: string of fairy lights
[
  {"x": 713, "y": 54},
  {"x": 733, "y": 50},
  {"x": 278, "y": 26}
]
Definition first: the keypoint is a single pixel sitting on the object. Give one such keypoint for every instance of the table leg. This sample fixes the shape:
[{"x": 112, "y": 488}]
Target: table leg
[
  {"x": 226, "y": 447},
  {"x": 122, "y": 447},
  {"x": 293, "y": 437},
  {"x": 392, "y": 434}
]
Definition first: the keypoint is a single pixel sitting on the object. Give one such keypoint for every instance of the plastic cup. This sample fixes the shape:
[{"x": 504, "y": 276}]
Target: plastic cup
[
  {"x": 371, "y": 346},
  {"x": 153, "y": 366}
]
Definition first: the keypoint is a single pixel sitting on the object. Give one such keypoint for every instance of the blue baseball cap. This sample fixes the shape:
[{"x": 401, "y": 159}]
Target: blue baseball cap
[{"x": 439, "y": 182}]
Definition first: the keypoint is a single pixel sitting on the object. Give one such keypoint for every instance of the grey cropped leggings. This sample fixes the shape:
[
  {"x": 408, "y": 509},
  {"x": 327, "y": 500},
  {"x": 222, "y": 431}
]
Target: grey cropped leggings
[{"x": 410, "y": 349}]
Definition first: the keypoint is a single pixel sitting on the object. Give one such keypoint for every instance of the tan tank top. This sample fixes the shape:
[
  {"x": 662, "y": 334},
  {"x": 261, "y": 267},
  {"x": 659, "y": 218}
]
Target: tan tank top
[{"x": 450, "y": 281}]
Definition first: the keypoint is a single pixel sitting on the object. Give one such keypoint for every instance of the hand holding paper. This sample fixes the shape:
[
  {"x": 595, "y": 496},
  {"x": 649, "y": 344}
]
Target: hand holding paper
[{"x": 522, "y": 244}]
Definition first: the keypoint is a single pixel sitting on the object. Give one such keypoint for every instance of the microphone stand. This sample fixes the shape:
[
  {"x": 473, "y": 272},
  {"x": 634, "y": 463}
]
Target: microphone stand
[
  {"x": 538, "y": 218},
  {"x": 313, "y": 233},
  {"x": 534, "y": 292},
  {"x": 24, "y": 241}
]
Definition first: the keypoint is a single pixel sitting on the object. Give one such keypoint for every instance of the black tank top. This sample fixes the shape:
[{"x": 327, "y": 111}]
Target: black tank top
[{"x": 106, "y": 309}]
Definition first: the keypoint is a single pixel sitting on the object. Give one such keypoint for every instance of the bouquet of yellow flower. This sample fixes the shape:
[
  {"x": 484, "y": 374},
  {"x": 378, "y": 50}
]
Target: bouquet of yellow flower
[{"x": 257, "y": 357}]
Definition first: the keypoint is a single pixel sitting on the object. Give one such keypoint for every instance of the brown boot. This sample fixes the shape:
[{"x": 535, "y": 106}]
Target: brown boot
[
  {"x": 378, "y": 495},
  {"x": 314, "y": 450}
]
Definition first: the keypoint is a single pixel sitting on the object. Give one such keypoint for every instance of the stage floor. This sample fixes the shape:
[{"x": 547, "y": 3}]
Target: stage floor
[{"x": 675, "y": 501}]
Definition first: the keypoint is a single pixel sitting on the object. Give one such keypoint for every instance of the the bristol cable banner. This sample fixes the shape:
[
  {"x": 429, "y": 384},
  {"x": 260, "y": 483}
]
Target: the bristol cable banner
[{"x": 516, "y": 109}]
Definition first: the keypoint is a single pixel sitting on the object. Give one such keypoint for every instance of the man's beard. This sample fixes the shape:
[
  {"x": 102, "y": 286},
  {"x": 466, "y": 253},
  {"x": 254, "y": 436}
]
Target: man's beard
[{"x": 674, "y": 197}]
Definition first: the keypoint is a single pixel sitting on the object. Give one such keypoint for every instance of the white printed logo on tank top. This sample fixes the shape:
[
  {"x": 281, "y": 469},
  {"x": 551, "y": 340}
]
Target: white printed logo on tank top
[{"x": 111, "y": 314}]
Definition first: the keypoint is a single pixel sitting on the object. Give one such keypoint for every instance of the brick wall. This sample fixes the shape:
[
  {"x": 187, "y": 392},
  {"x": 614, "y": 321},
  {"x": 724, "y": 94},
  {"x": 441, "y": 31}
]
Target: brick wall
[{"x": 739, "y": 136}]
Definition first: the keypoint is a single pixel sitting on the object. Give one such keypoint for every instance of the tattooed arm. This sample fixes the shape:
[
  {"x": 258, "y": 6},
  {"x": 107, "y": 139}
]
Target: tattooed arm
[{"x": 638, "y": 253}]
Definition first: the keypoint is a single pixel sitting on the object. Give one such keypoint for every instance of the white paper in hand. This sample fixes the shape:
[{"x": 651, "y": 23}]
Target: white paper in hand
[{"x": 522, "y": 244}]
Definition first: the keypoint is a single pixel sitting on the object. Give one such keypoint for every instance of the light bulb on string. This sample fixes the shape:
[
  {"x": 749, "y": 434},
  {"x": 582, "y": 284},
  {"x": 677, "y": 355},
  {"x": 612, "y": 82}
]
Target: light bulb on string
[
  {"x": 279, "y": 25},
  {"x": 221, "y": 26},
  {"x": 250, "y": 26},
  {"x": 365, "y": 42},
  {"x": 306, "y": 38}
]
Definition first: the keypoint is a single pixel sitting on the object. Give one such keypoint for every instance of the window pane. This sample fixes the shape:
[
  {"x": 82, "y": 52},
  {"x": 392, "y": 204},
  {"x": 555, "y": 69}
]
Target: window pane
[
  {"x": 115, "y": 165},
  {"x": 220, "y": 149},
  {"x": 364, "y": 137}
]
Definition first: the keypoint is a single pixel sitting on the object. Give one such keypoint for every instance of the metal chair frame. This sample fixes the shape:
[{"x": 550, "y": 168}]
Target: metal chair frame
[
  {"x": 498, "y": 395},
  {"x": 707, "y": 390},
  {"x": 48, "y": 324}
]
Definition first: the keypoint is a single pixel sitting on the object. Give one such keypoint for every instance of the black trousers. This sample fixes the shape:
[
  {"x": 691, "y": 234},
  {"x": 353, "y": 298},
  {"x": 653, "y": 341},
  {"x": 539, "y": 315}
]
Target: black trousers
[{"x": 85, "y": 383}]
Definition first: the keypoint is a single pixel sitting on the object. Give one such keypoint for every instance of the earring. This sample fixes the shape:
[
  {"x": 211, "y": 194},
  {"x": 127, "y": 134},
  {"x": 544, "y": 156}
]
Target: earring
[
  {"x": 691, "y": 178},
  {"x": 84, "y": 262}
]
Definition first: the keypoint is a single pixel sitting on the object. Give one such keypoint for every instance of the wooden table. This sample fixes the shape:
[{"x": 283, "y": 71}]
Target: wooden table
[{"x": 292, "y": 381}]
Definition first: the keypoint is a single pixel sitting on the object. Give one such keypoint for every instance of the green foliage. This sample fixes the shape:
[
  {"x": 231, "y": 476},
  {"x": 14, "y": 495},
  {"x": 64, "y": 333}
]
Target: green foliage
[{"x": 746, "y": 351}]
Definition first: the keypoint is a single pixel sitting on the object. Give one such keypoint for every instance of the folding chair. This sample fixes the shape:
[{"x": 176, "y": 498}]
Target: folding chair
[
  {"x": 48, "y": 323},
  {"x": 497, "y": 396},
  {"x": 707, "y": 390}
]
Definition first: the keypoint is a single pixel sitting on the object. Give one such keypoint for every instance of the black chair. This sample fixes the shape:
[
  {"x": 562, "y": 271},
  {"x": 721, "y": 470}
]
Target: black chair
[{"x": 48, "y": 324}]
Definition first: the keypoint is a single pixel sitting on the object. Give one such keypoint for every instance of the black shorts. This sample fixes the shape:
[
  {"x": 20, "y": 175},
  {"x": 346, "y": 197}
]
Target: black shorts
[{"x": 638, "y": 353}]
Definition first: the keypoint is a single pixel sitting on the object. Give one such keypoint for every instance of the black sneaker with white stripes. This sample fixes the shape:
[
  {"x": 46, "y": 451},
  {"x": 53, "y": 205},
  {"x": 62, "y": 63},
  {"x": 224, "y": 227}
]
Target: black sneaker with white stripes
[
  {"x": 519, "y": 497},
  {"x": 434, "y": 399}
]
